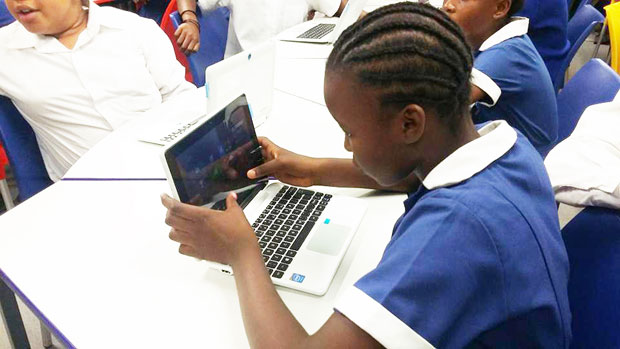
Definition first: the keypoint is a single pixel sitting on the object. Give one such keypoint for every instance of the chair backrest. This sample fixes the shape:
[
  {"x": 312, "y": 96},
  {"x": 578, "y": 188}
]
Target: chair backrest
[
  {"x": 594, "y": 83},
  {"x": 579, "y": 27},
  {"x": 5, "y": 16},
  {"x": 22, "y": 150},
  {"x": 574, "y": 5},
  {"x": 213, "y": 34},
  {"x": 592, "y": 241},
  {"x": 613, "y": 22}
]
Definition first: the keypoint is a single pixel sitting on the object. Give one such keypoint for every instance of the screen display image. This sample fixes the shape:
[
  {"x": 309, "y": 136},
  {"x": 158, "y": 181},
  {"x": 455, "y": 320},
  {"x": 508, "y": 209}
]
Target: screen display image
[{"x": 214, "y": 159}]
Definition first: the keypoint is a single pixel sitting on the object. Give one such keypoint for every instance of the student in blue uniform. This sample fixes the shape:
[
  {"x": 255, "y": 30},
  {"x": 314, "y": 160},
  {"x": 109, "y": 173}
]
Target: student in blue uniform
[
  {"x": 548, "y": 31},
  {"x": 510, "y": 79},
  {"x": 476, "y": 260}
]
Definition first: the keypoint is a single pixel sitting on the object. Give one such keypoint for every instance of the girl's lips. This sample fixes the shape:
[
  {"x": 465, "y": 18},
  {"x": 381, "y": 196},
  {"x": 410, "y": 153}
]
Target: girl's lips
[{"x": 26, "y": 16}]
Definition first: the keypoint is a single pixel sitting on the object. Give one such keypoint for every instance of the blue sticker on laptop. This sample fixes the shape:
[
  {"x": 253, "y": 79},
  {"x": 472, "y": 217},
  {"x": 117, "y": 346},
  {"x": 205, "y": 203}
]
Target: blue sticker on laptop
[
  {"x": 298, "y": 277},
  {"x": 327, "y": 220}
]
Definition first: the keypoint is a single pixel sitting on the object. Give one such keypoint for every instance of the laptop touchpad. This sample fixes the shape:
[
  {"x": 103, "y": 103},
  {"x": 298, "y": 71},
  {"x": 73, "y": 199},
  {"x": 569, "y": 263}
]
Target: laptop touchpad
[{"x": 329, "y": 239}]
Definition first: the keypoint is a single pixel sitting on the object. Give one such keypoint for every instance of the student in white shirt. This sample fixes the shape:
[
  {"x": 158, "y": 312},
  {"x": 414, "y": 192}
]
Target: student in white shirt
[
  {"x": 77, "y": 71},
  {"x": 252, "y": 22}
]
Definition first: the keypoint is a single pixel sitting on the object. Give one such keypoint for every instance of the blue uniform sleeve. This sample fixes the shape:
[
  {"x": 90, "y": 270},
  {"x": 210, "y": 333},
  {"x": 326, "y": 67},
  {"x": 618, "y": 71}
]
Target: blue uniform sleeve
[
  {"x": 527, "y": 99},
  {"x": 503, "y": 65},
  {"x": 439, "y": 282}
]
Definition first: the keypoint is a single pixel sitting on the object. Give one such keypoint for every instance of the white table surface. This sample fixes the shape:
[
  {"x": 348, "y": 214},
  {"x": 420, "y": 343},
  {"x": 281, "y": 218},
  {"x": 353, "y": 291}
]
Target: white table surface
[{"x": 95, "y": 260}]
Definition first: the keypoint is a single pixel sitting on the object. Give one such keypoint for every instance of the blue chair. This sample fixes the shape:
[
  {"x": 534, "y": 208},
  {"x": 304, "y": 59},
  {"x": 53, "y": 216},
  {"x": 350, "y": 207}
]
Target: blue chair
[
  {"x": 213, "y": 34},
  {"x": 5, "y": 17},
  {"x": 579, "y": 27},
  {"x": 23, "y": 152},
  {"x": 594, "y": 83},
  {"x": 579, "y": 4},
  {"x": 592, "y": 241}
]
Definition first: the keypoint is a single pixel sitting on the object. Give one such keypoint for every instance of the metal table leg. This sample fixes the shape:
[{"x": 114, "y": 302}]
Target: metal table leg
[{"x": 12, "y": 318}]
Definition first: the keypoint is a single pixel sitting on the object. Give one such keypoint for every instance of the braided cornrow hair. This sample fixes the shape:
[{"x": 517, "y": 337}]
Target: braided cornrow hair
[{"x": 411, "y": 53}]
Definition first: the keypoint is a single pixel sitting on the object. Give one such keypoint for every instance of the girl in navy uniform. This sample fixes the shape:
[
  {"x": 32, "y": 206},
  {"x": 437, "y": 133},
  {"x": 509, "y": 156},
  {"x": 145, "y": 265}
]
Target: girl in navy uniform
[
  {"x": 475, "y": 260},
  {"x": 510, "y": 79}
]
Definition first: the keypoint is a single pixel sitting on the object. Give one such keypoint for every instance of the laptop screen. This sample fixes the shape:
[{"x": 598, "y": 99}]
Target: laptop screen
[{"x": 214, "y": 158}]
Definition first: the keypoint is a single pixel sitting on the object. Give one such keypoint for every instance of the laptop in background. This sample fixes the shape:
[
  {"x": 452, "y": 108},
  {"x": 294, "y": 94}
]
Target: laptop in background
[
  {"x": 303, "y": 234},
  {"x": 325, "y": 30},
  {"x": 250, "y": 72}
]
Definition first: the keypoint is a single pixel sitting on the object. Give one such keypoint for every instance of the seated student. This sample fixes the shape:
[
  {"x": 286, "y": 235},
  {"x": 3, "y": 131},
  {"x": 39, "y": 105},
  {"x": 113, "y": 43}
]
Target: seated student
[
  {"x": 252, "y": 22},
  {"x": 476, "y": 259},
  {"x": 510, "y": 80},
  {"x": 548, "y": 31},
  {"x": 77, "y": 71}
]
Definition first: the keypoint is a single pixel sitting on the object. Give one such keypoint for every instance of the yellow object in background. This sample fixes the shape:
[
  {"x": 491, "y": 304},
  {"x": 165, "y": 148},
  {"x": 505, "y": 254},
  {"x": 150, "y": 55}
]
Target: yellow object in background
[{"x": 613, "y": 22}]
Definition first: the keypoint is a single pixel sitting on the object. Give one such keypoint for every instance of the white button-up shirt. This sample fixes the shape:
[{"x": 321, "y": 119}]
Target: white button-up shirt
[
  {"x": 255, "y": 21},
  {"x": 121, "y": 66}
]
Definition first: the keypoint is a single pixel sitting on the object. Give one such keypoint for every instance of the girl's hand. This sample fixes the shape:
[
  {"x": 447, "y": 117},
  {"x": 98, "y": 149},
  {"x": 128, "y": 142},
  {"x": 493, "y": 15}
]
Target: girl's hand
[
  {"x": 218, "y": 236},
  {"x": 286, "y": 166},
  {"x": 188, "y": 37}
]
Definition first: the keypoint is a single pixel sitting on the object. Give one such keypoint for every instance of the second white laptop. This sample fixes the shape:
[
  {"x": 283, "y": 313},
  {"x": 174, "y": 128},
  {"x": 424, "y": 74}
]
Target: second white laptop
[
  {"x": 325, "y": 30},
  {"x": 250, "y": 72},
  {"x": 303, "y": 234}
]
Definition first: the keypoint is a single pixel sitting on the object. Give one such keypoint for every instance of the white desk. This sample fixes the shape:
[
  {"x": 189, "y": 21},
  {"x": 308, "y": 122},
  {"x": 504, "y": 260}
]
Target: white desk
[
  {"x": 93, "y": 260},
  {"x": 98, "y": 267}
]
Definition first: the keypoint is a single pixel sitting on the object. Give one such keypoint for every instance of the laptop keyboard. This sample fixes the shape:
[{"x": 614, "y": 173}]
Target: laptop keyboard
[
  {"x": 178, "y": 132},
  {"x": 318, "y": 31},
  {"x": 283, "y": 226}
]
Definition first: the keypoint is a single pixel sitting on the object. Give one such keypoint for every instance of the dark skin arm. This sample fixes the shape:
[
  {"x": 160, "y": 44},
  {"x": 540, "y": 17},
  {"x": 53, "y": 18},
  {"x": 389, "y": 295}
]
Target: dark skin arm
[
  {"x": 226, "y": 237},
  {"x": 476, "y": 94},
  {"x": 343, "y": 3},
  {"x": 187, "y": 34},
  {"x": 304, "y": 171}
]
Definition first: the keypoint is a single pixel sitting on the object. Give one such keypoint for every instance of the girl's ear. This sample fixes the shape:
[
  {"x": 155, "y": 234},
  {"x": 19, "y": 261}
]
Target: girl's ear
[
  {"x": 502, "y": 7},
  {"x": 412, "y": 121}
]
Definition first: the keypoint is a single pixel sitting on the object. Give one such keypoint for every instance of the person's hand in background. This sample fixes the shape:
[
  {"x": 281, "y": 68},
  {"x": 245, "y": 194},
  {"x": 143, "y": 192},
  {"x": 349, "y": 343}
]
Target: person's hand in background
[{"x": 188, "y": 33}]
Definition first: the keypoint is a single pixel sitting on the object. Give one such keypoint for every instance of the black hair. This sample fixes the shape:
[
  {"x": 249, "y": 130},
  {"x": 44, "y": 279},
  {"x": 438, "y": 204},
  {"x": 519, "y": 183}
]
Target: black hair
[
  {"x": 516, "y": 6},
  {"x": 411, "y": 53}
]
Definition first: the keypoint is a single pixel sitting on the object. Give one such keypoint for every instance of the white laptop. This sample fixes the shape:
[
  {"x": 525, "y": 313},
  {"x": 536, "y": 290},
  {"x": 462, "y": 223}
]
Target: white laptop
[
  {"x": 325, "y": 30},
  {"x": 303, "y": 234},
  {"x": 250, "y": 72}
]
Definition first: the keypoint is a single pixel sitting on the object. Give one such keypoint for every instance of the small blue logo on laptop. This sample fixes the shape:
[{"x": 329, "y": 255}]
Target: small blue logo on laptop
[
  {"x": 327, "y": 220},
  {"x": 298, "y": 278}
]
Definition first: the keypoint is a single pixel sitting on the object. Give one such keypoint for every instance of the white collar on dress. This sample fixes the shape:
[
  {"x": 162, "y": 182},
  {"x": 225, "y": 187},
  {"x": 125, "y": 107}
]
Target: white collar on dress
[
  {"x": 22, "y": 38},
  {"x": 496, "y": 139},
  {"x": 516, "y": 27}
]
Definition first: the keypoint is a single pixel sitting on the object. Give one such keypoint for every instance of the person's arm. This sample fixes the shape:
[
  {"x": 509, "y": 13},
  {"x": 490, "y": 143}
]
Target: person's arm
[
  {"x": 226, "y": 237},
  {"x": 332, "y": 8},
  {"x": 343, "y": 4},
  {"x": 483, "y": 88},
  {"x": 167, "y": 73},
  {"x": 188, "y": 33},
  {"x": 299, "y": 170},
  {"x": 476, "y": 94}
]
